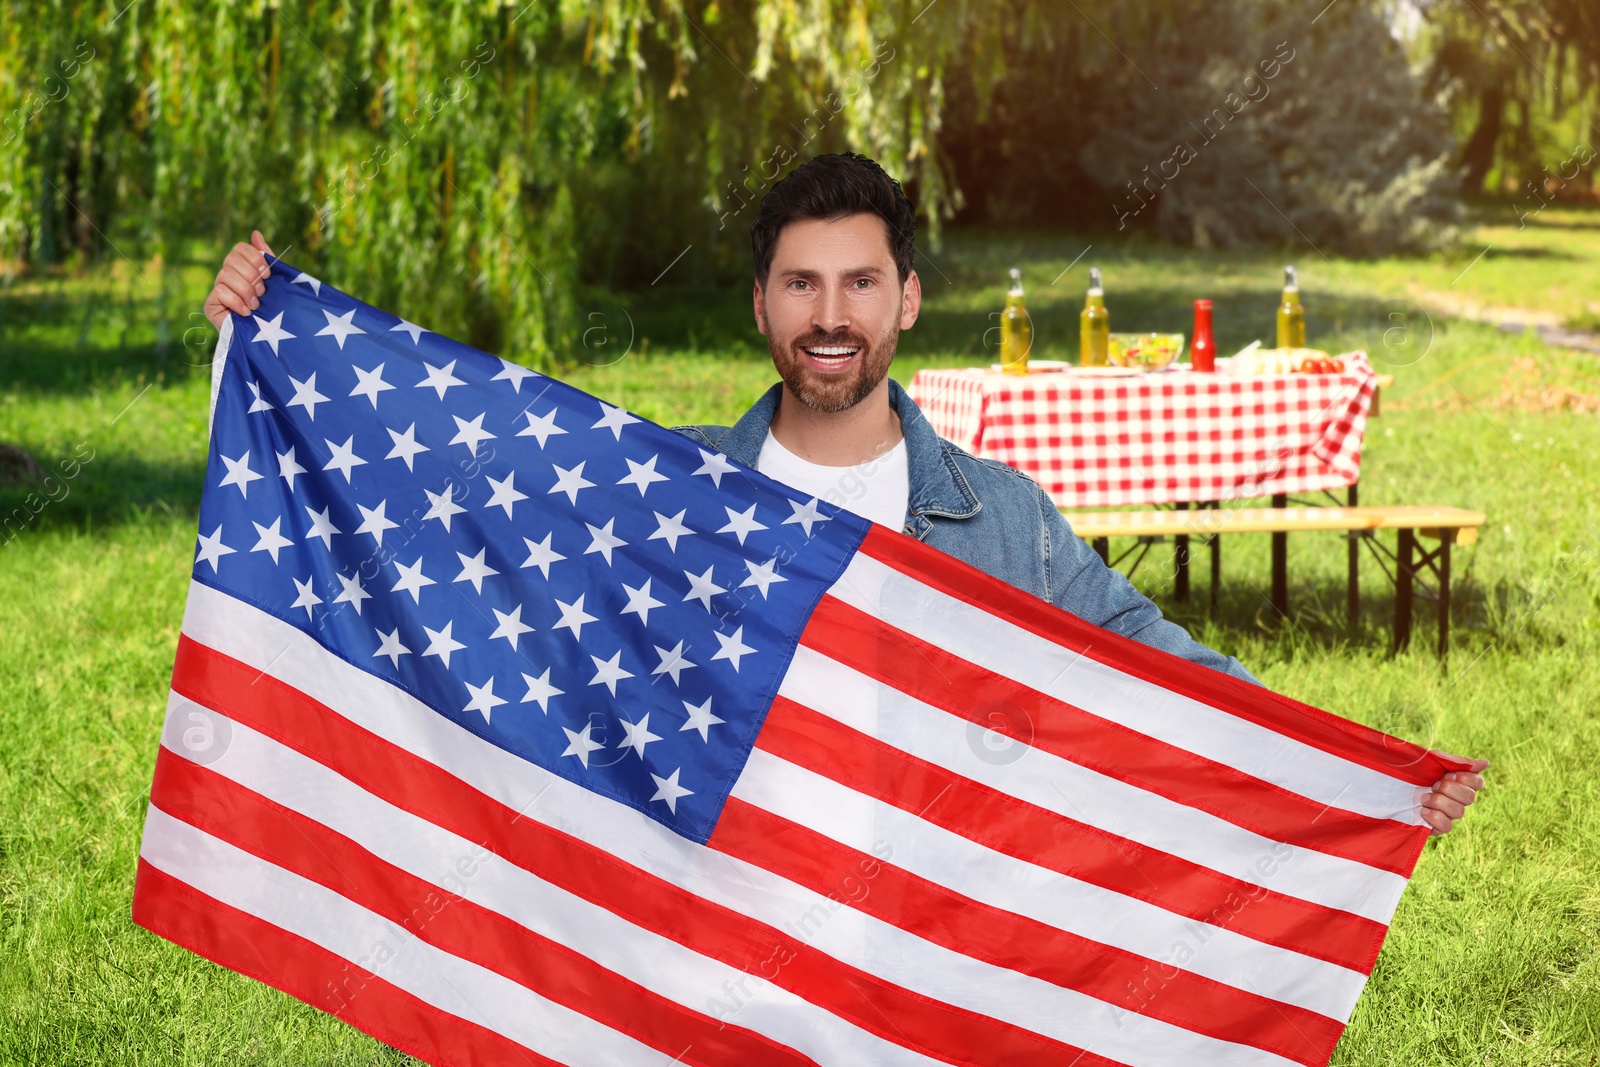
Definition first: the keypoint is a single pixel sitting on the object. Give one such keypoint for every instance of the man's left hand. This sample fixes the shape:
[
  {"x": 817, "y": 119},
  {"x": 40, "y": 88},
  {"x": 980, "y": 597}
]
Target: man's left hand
[{"x": 1451, "y": 794}]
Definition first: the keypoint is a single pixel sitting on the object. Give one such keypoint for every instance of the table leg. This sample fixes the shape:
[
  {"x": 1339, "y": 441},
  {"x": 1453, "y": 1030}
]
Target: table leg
[
  {"x": 1180, "y": 555},
  {"x": 1405, "y": 571},
  {"x": 1280, "y": 563},
  {"x": 1352, "y": 593},
  {"x": 1446, "y": 536},
  {"x": 1102, "y": 545}
]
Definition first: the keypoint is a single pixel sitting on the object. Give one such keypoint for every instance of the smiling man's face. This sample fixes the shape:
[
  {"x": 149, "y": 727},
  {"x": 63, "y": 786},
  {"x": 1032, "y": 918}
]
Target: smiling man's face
[{"x": 833, "y": 308}]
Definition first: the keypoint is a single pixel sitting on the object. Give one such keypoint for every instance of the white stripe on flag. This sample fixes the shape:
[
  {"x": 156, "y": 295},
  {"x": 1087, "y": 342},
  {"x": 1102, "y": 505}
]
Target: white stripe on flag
[
  {"x": 1010, "y": 651},
  {"x": 430, "y": 852},
  {"x": 1044, "y": 779},
  {"x": 323, "y": 917},
  {"x": 246, "y": 633},
  {"x": 1006, "y": 882}
]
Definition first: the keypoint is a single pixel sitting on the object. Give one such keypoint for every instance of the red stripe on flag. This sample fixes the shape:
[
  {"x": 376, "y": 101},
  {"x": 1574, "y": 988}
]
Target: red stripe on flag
[
  {"x": 850, "y": 636},
  {"x": 290, "y": 717},
  {"x": 228, "y": 811},
  {"x": 1036, "y": 835},
  {"x": 305, "y": 970},
  {"x": 1312, "y": 726},
  {"x": 940, "y": 915}
]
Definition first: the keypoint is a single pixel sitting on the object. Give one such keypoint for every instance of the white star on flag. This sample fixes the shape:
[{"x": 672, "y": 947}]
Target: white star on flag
[
  {"x": 411, "y": 580},
  {"x": 514, "y": 373},
  {"x": 580, "y": 744},
  {"x": 608, "y": 672},
  {"x": 391, "y": 646},
  {"x": 369, "y": 383},
  {"x": 212, "y": 549},
  {"x": 505, "y": 493},
  {"x": 669, "y": 790},
  {"x": 344, "y": 458},
  {"x": 669, "y": 530},
  {"x": 288, "y": 468},
  {"x": 805, "y": 514},
  {"x": 511, "y": 625},
  {"x": 471, "y": 434},
  {"x": 640, "y": 601},
  {"x": 443, "y": 506},
  {"x": 603, "y": 540},
  {"x": 271, "y": 331},
  {"x": 762, "y": 575},
  {"x": 240, "y": 474},
  {"x": 374, "y": 522},
  {"x": 541, "y": 426},
  {"x": 613, "y": 419},
  {"x": 702, "y": 588},
  {"x": 440, "y": 378},
  {"x": 637, "y": 735},
  {"x": 270, "y": 540},
  {"x": 306, "y": 395},
  {"x": 541, "y": 555},
  {"x": 256, "y": 403},
  {"x": 406, "y": 446},
  {"x": 339, "y": 327},
  {"x": 741, "y": 523},
  {"x": 441, "y": 644},
  {"x": 540, "y": 690},
  {"x": 700, "y": 718},
  {"x": 475, "y": 570},
  {"x": 416, "y": 333},
  {"x": 733, "y": 648},
  {"x": 354, "y": 592},
  {"x": 673, "y": 661},
  {"x": 715, "y": 466},
  {"x": 642, "y": 474},
  {"x": 322, "y": 526},
  {"x": 305, "y": 279},
  {"x": 307, "y": 599},
  {"x": 483, "y": 698},
  {"x": 573, "y": 617},
  {"x": 570, "y": 481}
]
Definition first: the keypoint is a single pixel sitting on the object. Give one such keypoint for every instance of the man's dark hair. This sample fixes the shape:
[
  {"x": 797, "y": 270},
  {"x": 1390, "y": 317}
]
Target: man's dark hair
[{"x": 833, "y": 187}]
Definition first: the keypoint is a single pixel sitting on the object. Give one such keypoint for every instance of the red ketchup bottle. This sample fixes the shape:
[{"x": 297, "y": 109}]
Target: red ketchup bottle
[{"x": 1203, "y": 351}]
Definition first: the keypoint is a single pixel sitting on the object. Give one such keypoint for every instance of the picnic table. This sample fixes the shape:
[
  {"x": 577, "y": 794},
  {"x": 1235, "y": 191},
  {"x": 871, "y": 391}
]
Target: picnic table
[{"x": 1104, "y": 437}]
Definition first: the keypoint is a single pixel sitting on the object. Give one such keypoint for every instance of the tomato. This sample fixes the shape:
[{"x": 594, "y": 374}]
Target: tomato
[{"x": 1338, "y": 366}]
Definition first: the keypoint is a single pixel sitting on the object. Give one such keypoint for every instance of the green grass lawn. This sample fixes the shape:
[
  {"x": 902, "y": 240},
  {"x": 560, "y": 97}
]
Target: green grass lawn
[{"x": 1492, "y": 958}]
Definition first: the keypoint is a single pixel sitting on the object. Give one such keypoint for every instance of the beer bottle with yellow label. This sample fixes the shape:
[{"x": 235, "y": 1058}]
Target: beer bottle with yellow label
[
  {"x": 1094, "y": 324},
  {"x": 1016, "y": 331},
  {"x": 1291, "y": 316}
]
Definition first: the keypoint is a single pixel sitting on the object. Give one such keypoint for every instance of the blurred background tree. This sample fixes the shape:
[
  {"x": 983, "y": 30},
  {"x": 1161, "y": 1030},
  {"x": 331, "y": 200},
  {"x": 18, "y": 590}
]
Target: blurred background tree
[{"x": 476, "y": 163}]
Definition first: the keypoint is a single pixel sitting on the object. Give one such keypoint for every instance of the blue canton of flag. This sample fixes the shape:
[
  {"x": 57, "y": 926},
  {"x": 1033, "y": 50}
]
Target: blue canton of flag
[{"x": 570, "y": 582}]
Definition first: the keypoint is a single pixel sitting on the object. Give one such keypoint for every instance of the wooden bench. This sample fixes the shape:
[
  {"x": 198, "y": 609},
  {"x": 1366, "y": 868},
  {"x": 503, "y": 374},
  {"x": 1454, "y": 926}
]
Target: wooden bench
[{"x": 1446, "y": 525}]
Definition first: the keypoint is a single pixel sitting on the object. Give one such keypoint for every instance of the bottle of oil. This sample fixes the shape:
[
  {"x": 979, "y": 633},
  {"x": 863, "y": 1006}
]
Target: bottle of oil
[
  {"x": 1016, "y": 330},
  {"x": 1291, "y": 317},
  {"x": 1094, "y": 324}
]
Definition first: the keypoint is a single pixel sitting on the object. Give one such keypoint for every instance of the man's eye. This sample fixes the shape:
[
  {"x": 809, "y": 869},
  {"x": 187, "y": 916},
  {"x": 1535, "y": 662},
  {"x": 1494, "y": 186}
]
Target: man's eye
[
  {"x": 797, "y": 284},
  {"x": 863, "y": 283}
]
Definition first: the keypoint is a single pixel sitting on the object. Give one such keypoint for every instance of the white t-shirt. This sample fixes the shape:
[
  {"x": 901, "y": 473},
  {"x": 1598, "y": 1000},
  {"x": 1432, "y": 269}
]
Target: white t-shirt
[{"x": 878, "y": 489}]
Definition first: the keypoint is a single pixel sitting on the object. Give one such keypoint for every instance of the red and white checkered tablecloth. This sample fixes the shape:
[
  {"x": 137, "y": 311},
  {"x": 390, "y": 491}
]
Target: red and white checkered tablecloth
[{"x": 1159, "y": 438}]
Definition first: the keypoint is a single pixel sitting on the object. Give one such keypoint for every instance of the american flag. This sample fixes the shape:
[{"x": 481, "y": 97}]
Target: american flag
[{"x": 510, "y": 727}]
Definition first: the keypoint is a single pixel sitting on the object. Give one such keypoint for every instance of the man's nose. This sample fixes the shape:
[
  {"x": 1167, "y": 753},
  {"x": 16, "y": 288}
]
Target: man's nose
[{"x": 831, "y": 312}]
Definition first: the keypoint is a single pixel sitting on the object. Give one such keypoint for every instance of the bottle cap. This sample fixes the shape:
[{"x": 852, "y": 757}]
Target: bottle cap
[
  {"x": 1202, "y": 305},
  {"x": 1289, "y": 280},
  {"x": 1094, "y": 280}
]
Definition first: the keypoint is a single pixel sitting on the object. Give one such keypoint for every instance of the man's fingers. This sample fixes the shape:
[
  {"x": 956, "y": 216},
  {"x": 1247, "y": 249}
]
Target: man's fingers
[
  {"x": 1478, "y": 765},
  {"x": 1458, "y": 791},
  {"x": 260, "y": 242},
  {"x": 1448, "y": 806},
  {"x": 246, "y": 285},
  {"x": 1439, "y": 822},
  {"x": 250, "y": 261}
]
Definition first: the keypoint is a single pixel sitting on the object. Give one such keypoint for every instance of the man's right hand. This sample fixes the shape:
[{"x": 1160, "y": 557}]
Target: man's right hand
[{"x": 241, "y": 281}]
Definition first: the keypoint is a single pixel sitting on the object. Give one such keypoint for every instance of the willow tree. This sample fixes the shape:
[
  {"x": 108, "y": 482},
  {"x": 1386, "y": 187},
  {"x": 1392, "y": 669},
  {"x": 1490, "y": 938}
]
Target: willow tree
[{"x": 460, "y": 160}]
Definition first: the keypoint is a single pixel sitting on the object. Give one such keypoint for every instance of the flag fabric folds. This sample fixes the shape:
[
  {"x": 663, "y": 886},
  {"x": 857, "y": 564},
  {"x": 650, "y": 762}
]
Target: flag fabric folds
[{"x": 510, "y": 727}]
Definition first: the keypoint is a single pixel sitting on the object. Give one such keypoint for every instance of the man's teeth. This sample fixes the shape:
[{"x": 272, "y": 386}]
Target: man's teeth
[{"x": 831, "y": 351}]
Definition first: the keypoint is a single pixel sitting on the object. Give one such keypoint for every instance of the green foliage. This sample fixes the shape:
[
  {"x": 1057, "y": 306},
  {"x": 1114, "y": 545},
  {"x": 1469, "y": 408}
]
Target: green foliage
[{"x": 467, "y": 161}]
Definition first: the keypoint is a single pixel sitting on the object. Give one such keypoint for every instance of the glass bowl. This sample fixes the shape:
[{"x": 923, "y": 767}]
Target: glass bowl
[{"x": 1144, "y": 351}]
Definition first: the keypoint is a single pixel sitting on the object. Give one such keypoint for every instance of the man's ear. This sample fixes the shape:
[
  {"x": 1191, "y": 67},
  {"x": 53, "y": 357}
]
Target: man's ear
[
  {"x": 760, "y": 309},
  {"x": 910, "y": 301}
]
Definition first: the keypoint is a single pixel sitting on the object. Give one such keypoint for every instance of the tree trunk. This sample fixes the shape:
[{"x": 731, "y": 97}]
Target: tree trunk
[{"x": 1477, "y": 156}]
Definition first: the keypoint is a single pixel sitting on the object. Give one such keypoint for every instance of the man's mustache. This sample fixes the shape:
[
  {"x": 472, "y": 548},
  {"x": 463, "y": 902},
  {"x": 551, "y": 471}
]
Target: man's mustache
[{"x": 834, "y": 340}]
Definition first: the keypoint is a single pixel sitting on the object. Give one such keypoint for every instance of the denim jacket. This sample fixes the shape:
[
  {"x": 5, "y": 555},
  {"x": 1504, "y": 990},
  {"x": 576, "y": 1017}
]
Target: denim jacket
[{"x": 999, "y": 520}]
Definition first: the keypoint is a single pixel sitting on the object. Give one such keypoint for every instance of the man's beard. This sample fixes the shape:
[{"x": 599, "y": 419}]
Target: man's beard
[{"x": 833, "y": 393}]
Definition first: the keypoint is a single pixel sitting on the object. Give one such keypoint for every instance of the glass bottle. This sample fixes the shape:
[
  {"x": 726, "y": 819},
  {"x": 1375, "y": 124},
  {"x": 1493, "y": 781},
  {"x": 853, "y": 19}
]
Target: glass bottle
[
  {"x": 1016, "y": 331},
  {"x": 1291, "y": 317},
  {"x": 1094, "y": 324},
  {"x": 1203, "y": 350}
]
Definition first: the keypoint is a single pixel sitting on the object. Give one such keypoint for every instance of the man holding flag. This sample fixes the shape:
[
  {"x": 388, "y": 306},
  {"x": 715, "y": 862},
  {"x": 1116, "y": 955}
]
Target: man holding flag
[{"x": 509, "y": 727}]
